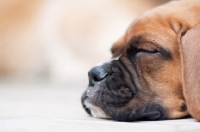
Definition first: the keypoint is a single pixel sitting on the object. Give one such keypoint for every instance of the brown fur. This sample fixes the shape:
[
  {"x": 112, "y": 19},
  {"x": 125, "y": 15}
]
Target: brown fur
[
  {"x": 191, "y": 64},
  {"x": 164, "y": 27}
]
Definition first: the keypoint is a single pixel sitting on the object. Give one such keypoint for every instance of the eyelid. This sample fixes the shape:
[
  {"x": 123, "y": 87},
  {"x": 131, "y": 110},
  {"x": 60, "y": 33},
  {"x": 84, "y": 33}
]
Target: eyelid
[
  {"x": 148, "y": 51},
  {"x": 147, "y": 46}
]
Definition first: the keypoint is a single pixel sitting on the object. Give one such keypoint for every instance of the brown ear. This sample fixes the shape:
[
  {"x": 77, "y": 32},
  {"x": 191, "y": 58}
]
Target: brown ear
[{"x": 191, "y": 70}]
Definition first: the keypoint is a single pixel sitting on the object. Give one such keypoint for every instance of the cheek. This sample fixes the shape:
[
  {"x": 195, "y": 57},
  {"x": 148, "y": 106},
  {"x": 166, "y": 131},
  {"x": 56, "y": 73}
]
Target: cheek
[
  {"x": 157, "y": 69},
  {"x": 149, "y": 64},
  {"x": 164, "y": 80}
]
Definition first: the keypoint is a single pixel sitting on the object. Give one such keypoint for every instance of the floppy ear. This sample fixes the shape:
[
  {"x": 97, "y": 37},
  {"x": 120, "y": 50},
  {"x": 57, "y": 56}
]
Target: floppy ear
[{"x": 191, "y": 70}]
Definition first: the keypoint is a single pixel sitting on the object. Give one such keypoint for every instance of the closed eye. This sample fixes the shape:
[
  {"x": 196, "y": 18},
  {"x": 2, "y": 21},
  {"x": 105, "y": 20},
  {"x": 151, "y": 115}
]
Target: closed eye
[
  {"x": 158, "y": 51},
  {"x": 133, "y": 52},
  {"x": 148, "y": 51}
]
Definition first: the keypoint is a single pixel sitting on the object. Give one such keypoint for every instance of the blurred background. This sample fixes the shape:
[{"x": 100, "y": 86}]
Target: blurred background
[
  {"x": 47, "y": 48},
  {"x": 58, "y": 41}
]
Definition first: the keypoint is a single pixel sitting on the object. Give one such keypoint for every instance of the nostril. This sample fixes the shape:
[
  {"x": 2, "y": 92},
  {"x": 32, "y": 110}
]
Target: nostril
[
  {"x": 96, "y": 78},
  {"x": 97, "y": 74}
]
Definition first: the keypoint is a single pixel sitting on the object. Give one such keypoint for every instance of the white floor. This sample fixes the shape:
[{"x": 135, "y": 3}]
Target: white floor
[{"x": 49, "y": 108}]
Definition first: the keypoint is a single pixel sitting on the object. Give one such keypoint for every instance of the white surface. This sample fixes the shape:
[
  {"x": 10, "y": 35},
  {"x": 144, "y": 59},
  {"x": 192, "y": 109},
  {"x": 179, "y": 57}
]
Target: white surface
[{"x": 45, "y": 108}]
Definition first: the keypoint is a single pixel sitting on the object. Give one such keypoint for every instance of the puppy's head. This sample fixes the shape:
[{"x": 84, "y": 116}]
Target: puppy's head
[{"x": 143, "y": 80}]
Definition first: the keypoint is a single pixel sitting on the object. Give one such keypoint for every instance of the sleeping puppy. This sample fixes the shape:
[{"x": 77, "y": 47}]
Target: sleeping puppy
[{"x": 155, "y": 70}]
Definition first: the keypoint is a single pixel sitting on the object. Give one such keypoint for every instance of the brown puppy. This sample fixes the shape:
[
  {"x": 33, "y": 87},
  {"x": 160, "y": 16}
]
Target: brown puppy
[{"x": 156, "y": 73}]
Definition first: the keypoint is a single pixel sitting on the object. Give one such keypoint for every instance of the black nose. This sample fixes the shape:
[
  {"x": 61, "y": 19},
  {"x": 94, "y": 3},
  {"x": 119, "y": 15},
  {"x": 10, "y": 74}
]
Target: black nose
[{"x": 97, "y": 74}]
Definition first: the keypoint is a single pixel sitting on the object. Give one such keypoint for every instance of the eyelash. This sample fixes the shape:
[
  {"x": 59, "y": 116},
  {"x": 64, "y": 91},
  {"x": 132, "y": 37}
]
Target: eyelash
[
  {"x": 134, "y": 52},
  {"x": 147, "y": 51}
]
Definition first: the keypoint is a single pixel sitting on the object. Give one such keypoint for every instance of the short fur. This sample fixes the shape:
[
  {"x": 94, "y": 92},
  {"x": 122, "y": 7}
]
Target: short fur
[{"x": 157, "y": 73}]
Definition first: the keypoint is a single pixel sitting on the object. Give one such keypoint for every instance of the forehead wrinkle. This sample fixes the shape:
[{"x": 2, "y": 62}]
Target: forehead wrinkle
[
  {"x": 134, "y": 41},
  {"x": 150, "y": 40},
  {"x": 147, "y": 39},
  {"x": 139, "y": 40}
]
